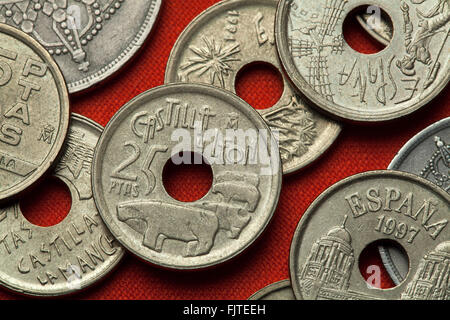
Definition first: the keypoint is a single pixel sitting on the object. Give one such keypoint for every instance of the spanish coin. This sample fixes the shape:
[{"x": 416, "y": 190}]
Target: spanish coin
[
  {"x": 166, "y": 124},
  {"x": 34, "y": 111},
  {"x": 355, "y": 213},
  {"x": 426, "y": 155},
  {"x": 69, "y": 256},
  {"x": 225, "y": 39},
  {"x": 378, "y": 26},
  {"x": 390, "y": 84},
  {"x": 89, "y": 39},
  {"x": 280, "y": 290}
]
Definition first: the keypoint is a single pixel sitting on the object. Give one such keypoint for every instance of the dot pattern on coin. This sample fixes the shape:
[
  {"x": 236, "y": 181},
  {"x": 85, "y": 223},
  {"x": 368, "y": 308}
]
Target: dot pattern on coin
[
  {"x": 236, "y": 33},
  {"x": 69, "y": 256},
  {"x": 34, "y": 111},
  {"x": 90, "y": 40},
  {"x": 358, "y": 211},
  {"x": 280, "y": 290},
  {"x": 151, "y": 130},
  {"x": 387, "y": 85}
]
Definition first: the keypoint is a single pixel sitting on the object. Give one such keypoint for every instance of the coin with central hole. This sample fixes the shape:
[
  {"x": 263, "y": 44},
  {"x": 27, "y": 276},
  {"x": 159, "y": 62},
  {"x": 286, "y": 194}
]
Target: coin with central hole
[
  {"x": 361, "y": 210},
  {"x": 280, "y": 290},
  {"x": 164, "y": 124},
  {"x": 34, "y": 111},
  {"x": 377, "y": 24},
  {"x": 234, "y": 34},
  {"x": 69, "y": 256},
  {"x": 428, "y": 155},
  {"x": 390, "y": 84}
]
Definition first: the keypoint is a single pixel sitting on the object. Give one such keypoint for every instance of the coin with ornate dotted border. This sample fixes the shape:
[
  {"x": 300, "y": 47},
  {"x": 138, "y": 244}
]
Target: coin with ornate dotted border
[
  {"x": 34, "y": 111},
  {"x": 281, "y": 290},
  {"x": 69, "y": 256}
]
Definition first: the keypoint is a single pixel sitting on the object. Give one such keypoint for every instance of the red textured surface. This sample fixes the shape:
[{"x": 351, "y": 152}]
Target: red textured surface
[{"x": 358, "y": 149}]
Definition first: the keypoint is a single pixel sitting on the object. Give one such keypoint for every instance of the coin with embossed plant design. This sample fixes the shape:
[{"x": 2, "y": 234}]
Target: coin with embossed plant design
[
  {"x": 281, "y": 290},
  {"x": 226, "y": 38},
  {"x": 89, "y": 39},
  {"x": 426, "y": 155},
  {"x": 34, "y": 111},
  {"x": 166, "y": 124},
  {"x": 359, "y": 211},
  {"x": 69, "y": 256},
  {"x": 390, "y": 84}
]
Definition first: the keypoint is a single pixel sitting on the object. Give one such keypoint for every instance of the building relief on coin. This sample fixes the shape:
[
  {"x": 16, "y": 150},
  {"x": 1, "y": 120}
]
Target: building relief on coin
[
  {"x": 69, "y": 256},
  {"x": 226, "y": 38},
  {"x": 68, "y": 29},
  {"x": 382, "y": 86}
]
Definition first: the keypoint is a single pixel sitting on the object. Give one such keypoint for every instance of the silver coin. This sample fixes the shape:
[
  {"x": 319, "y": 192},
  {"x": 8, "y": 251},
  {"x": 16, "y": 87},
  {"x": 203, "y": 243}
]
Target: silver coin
[
  {"x": 427, "y": 155},
  {"x": 69, "y": 256},
  {"x": 363, "y": 209},
  {"x": 34, "y": 111},
  {"x": 231, "y": 35},
  {"x": 154, "y": 128},
  {"x": 379, "y": 27},
  {"x": 280, "y": 290},
  {"x": 387, "y": 85},
  {"x": 89, "y": 39}
]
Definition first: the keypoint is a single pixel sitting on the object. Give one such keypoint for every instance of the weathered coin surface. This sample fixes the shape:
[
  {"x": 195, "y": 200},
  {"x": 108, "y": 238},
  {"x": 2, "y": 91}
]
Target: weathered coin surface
[
  {"x": 377, "y": 25},
  {"x": 426, "y": 155},
  {"x": 281, "y": 290},
  {"x": 231, "y": 35},
  {"x": 89, "y": 39},
  {"x": 155, "y": 128},
  {"x": 69, "y": 256},
  {"x": 390, "y": 84},
  {"x": 34, "y": 111},
  {"x": 363, "y": 209}
]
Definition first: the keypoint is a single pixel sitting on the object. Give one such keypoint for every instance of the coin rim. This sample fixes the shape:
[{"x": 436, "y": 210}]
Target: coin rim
[
  {"x": 180, "y": 45},
  {"x": 83, "y": 284},
  {"x": 332, "y": 108},
  {"x": 226, "y": 96},
  {"x": 63, "y": 95},
  {"x": 303, "y": 223},
  {"x": 282, "y": 284},
  {"x": 124, "y": 57}
]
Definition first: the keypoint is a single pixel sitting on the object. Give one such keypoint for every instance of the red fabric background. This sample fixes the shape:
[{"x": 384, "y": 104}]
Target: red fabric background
[{"x": 358, "y": 149}]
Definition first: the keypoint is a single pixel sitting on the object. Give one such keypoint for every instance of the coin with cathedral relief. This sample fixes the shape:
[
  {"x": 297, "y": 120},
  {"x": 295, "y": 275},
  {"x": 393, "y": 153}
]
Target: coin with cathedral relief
[
  {"x": 359, "y": 211},
  {"x": 390, "y": 84},
  {"x": 428, "y": 155},
  {"x": 34, "y": 111},
  {"x": 231, "y": 35},
  {"x": 69, "y": 256},
  {"x": 169, "y": 123},
  {"x": 89, "y": 39}
]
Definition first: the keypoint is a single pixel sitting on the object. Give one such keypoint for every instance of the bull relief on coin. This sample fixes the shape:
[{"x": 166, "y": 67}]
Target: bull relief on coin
[
  {"x": 34, "y": 111},
  {"x": 232, "y": 35},
  {"x": 367, "y": 208},
  {"x": 165, "y": 124},
  {"x": 426, "y": 155},
  {"x": 89, "y": 39},
  {"x": 69, "y": 256},
  {"x": 390, "y": 84}
]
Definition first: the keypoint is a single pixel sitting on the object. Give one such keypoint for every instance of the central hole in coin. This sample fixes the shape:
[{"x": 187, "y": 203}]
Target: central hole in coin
[
  {"x": 371, "y": 264},
  {"x": 189, "y": 181},
  {"x": 357, "y": 37},
  {"x": 47, "y": 205},
  {"x": 260, "y": 84}
]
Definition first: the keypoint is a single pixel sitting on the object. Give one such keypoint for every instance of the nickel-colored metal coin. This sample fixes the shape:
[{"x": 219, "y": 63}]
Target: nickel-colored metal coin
[
  {"x": 280, "y": 290},
  {"x": 69, "y": 256},
  {"x": 390, "y": 84},
  {"x": 34, "y": 111},
  {"x": 363, "y": 209},
  {"x": 231, "y": 35},
  {"x": 89, "y": 39},
  {"x": 153, "y": 129},
  {"x": 378, "y": 26},
  {"x": 426, "y": 155}
]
